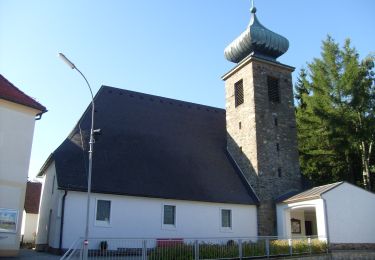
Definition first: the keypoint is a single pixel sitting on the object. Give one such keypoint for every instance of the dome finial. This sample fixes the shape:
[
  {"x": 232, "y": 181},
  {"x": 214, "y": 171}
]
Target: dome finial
[
  {"x": 253, "y": 9},
  {"x": 256, "y": 40}
]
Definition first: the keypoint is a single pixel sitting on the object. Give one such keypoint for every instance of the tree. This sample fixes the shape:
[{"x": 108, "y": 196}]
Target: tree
[{"x": 336, "y": 116}]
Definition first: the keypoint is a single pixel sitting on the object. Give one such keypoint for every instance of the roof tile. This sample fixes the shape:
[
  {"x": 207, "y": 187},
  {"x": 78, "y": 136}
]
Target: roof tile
[
  {"x": 11, "y": 93},
  {"x": 32, "y": 198},
  {"x": 313, "y": 193},
  {"x": 153, "y": 147}
]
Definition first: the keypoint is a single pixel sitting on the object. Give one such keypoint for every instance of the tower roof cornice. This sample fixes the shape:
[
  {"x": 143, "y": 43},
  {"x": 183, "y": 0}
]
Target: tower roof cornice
[{"x": 252, "y": 58}]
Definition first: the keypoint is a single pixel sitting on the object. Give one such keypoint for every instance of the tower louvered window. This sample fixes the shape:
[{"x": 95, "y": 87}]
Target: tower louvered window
[
  {"x": 238, "y": 93},
  {"x": 273, "y": 89}
]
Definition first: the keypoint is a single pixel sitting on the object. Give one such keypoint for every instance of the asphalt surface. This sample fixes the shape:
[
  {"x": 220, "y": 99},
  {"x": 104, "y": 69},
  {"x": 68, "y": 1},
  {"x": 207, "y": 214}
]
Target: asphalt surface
[{"x": 31, "y": 254}]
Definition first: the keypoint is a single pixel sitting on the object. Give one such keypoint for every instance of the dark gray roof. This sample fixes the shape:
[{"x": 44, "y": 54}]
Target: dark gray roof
[
  {"x": 310, "y": 194},
  {"x": 153, "y": 147}
]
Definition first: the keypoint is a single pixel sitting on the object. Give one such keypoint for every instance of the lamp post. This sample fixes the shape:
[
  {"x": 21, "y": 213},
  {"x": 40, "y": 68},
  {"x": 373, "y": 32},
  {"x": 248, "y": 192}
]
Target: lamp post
[{"x": 91, "y": 149}]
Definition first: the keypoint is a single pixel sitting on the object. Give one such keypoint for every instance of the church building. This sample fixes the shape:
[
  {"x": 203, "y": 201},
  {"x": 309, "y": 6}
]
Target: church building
[{"x": 164, "y": 168}]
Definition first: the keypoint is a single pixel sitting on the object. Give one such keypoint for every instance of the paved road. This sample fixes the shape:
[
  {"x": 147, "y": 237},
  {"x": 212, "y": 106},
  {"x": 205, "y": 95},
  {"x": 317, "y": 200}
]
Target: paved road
[{"x": 33, "y": 255}]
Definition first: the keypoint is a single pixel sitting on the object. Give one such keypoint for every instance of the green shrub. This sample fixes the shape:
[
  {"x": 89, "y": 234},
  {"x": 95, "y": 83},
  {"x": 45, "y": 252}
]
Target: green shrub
[
  {"x": 301, "y": 246},
  {"x": 230, "y": 250},
  {"x": 254, "y": 248},
  {"x": 175, "y": 252},
  {"x": 279, "y": 247},
  {"x": 318, "y": 246}
]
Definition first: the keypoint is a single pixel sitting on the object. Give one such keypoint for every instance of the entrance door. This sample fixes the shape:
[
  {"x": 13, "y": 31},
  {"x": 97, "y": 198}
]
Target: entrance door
[{"x": 308, "y": 228}]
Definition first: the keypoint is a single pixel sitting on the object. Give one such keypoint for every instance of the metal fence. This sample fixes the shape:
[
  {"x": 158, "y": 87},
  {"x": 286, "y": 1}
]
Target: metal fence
[{"x": 195, "y": 249}]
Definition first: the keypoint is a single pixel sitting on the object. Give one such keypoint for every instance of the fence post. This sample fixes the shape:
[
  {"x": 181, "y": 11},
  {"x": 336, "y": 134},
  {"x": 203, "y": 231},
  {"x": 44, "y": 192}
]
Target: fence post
[
  {"x": 240, "y": 248},
  {"x": 144, "y": 249},
  {"x": 196, "y": 250},
  {"x": 267, "y": 247},
  {"x": 81, "y": 251},
  {"x": 309, "y": 243},
  {"x": 290, "y": 246}
]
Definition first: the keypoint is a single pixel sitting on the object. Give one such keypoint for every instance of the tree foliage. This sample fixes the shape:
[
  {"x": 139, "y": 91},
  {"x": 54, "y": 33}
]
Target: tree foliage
[{"x": 336, "y": 116}]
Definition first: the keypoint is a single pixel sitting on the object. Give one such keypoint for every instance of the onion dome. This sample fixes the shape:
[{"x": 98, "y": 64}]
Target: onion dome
[{"x": 256, "y": 40}]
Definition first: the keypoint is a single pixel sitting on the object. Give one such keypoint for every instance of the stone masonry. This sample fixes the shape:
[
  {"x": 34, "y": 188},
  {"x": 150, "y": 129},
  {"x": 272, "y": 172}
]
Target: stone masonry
[{"x": 261, "y": 135}]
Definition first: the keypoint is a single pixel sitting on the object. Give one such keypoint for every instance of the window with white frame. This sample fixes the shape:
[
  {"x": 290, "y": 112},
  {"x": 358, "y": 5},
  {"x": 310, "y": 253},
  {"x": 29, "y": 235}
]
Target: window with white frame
[
  {"x": 103, "y": 212},
  {"x": 169, "y": 215},
  {"x": 226, "y": 218}
]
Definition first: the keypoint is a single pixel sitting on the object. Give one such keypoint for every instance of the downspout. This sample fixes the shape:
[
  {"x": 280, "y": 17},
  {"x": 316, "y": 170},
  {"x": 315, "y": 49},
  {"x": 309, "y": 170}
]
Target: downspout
[
  {"x": 62, "y": 220},
  {"x": 326, "y": 219}
]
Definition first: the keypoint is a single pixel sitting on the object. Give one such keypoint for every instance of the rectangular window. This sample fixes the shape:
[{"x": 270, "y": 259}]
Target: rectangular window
[
  {"x": 273, "y": 89},
  {"x": 226, "y": 218},
  {"x": 169, "y": 217},
  {"x": 238, "y": 93},
  {"x": 103, "y": 211}
]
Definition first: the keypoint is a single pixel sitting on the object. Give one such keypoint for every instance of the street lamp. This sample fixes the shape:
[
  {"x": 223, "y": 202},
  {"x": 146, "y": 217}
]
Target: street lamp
[{"x": 91, "y": 149}]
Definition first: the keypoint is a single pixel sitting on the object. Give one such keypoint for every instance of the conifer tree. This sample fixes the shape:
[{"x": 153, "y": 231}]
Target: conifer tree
[{"x": 336, "y": 116}]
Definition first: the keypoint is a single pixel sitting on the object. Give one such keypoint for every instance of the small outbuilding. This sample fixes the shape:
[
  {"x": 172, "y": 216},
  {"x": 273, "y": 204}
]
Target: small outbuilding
[
  {"x": 338, "y": 212},
  {"x": 31, "y": 212}
]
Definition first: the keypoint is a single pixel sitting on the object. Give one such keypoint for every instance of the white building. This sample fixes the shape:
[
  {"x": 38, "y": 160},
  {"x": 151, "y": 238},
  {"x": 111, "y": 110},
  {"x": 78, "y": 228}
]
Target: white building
[
  {"x": 18, "y": 113},
  {"x": 160, "y": 170},
  {"x": 116, "y": 216},
  {"x": 339, "y": 212},
  {"x": 31, "y": 212}
]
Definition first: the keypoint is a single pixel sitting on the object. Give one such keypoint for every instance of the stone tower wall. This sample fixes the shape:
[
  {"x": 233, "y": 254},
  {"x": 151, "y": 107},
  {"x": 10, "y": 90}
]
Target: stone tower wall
[
  {"x": 242, "y": 143},
  {"x": 254, "y": 146}
]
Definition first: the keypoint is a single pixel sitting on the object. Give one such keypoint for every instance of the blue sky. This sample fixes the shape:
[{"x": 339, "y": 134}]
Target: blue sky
[{"x": 172, "y": 48}]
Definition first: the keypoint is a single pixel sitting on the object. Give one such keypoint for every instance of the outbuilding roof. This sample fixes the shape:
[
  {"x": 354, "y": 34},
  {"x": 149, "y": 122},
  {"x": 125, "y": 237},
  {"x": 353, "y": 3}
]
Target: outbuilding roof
[
  {"x": 11, "y": 93},
  {"x": 32, "y": 197},
  {"x": 310, "y": 194},
  {"x": 152, "y": 146}
]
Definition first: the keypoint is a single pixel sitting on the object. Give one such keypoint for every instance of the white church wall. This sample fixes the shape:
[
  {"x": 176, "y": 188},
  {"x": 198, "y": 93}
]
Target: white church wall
[
  {"x": 49, "y": 221},
  {"x": 283, "y": 220},
  {"x": 138, "y": 217},
  {"x": 350, "y": 213}
]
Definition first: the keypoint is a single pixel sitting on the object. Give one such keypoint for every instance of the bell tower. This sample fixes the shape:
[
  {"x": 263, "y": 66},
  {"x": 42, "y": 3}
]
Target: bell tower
[{"x": 261, "y": 125}]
